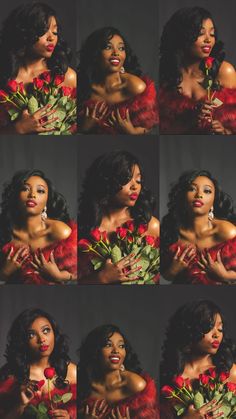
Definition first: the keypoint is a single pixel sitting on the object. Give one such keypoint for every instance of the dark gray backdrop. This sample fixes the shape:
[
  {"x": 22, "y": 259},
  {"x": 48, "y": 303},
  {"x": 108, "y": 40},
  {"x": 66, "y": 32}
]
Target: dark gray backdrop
[
  {"x": 55, "y": 156},
  {"x": 223, "y": 13},
  {"x": 137, "y": 21},
  {"x": 145, "y": 148}
]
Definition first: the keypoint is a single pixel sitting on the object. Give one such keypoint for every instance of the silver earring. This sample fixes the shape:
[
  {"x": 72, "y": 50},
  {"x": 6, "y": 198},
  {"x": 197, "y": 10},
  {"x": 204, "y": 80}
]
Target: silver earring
[
  {"x": 122, "y": 368},
  {"x": 44, "y": 215},
  {"x": 211, "y": 214},
  {"x": 122, "y": 70}
]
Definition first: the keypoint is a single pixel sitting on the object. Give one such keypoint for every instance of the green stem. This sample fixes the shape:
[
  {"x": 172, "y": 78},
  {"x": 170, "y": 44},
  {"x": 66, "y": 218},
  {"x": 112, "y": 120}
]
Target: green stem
[{"x": 49, "y": 394}]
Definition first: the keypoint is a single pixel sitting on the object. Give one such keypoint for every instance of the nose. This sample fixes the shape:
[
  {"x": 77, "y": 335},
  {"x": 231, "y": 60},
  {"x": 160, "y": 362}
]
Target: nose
[
  {"x": 50, "y": 36},
  {"x": 115, "y": 50},
  {"x": 114, "y": 349},
  {"x": 215, "y": 333},
  {"x": 32, "y": 194},
  {"x": 198, "y": 194},
  {"x": 41, "y": 338},
  {"x": 207, "y": 38}
]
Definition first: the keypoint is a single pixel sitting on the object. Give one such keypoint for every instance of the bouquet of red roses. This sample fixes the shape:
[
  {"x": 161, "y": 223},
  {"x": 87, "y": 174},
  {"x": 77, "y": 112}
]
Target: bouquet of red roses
[
  {"x": 209, "y": 386},
  {"x": 127, "y": 240},
  {"x": 45, "y": 90}
]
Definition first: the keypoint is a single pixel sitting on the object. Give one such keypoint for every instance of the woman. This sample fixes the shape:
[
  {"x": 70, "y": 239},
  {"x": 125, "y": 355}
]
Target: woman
[
  {"x": 36, "y": 349},
  {"x": 32, "y": 46},
  {"x": 111, "y": 380},
  {"x": 114, "y": 98},
  {"x": 198, "y": 237},
  {"x": 196, "y": 343},
  {"x": 114, "y": 197},
  {"x": 197, "y": 87},
  {"x": 37, "y": 239}
]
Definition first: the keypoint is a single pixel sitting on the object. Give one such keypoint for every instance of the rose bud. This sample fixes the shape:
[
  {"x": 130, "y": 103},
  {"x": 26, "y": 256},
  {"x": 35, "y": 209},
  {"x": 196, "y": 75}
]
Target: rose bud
[
  {"x": 3, "y": 95},
  {"x": 22, "y": 88},
  {"x": 84, "y": 244},
  {"x": 212, "y": 372},
  {"x": 66, "y": 91},
  {"x": 223, "y": 376},
  {"x": 122, "y": 232},
  {"x": 142, "y": 229},
  {"x": 209, "y": 62},
  {"x": 49, "y": 373},
  {"x": 188, "y": 384},
  {"x": 231, "y": 386},
  {"x": 46, "y": 76},
  {"x": 38, "y": 83},
  {"x": 95, "y": 234},
  {"x": 129, "y": 225},
  {"x": 58, "y": 79},
  {"x": 204, "y": 379},
  {"x": 178, "y": 381},
  {"x": 13, "y": 86},
  {"x": 40, "y": 384},
  {"x": 167, "y": 391},
  {"x": 104, "y": 236},
  {"x": 150, "y": 240}
]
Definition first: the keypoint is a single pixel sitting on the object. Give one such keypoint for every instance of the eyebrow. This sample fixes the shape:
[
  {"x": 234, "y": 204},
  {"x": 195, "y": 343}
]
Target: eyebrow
[
  {"x": 43, "y": 186},
  {"x": 42, "y": 327},
  {"x": 195, "y": 184}
]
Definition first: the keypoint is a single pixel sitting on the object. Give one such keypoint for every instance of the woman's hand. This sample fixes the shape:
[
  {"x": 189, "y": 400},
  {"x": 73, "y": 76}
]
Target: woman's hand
[
  {"x": 216, "y": 267},
  {"x": 119, "y": 272},
  {"x": 98, "y": 410},
  {"x": 218, "y": 128},
  {"x": 35, "y": 123},
  {"x": 125, "y": 124},
  {"x": 59, "y": 413},
  {"x": 94, "y": 116},
  {"x": 115, "y": 414},
  {"x": 206, "y": 114},
  {"x": 181, "y": 260},
  {"x": 49, "y": 268},
  {"x": 209, "y": 410},
  {"x": 15, "y": 260},
  {"x": 27, "y": 392}
]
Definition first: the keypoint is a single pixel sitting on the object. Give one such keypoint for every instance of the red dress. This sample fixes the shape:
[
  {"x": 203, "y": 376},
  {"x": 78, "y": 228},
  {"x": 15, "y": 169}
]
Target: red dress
[
  {"x": 142, "y": 110},
  {"x": 142, "y": 405},
  {"x": 9, "y": 391},
  {"x": 65, "y": 254},
  {"x": 179, "y": 113},
  {"x": 192, "y": 274}
]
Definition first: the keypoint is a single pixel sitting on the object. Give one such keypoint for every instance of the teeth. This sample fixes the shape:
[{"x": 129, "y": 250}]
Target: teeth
[{"x": 114, "y": 358}]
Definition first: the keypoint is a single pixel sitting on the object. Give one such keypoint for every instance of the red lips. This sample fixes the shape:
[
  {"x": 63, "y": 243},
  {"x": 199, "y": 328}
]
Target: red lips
[
  {"x": 134, "y": 196},
  {"x": 198, "y": 203},
  {"x": 50, "y": 47},
  {"x": 43, "y": 348},
  {"x": 31, "y": 203},
  {"x": 215, "y": 344},
  {"x": 115, "y": 359}
]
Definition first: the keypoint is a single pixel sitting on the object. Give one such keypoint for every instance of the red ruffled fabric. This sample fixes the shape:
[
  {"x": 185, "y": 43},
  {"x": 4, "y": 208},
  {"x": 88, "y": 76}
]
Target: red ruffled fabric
[
  {"x": 179, "y": 113},
  {"x": 142, "y": 405},
  {"x": 192, "y": 274},
  {"x": 142, "y": 110},
  {"x": 9, "y": 391},
  {"x": 65, "y": 254}
]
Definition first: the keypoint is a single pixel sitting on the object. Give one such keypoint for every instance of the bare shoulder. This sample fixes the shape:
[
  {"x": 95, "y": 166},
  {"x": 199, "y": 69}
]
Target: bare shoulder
[
  {"x": 72, "y": 373},
  {"x": 232, "y": 376},
  {"x": 227, "y": 75},
  {"x": 154, "y": 227},
  {"x": 135, "y": 382},
  {"x": 135, "y": 84},
  {"x": 225, "y": 229},
  {"x": 59, "y": 230},
  {"x": 70, "y": 78}
]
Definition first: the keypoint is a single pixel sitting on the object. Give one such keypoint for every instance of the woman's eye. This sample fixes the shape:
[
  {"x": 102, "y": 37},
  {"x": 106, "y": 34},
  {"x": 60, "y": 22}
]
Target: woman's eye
[
  {"x": 46, "y": 330},
  {"x": 41, "y": 191},
  {"x": 191, "y": 188},
  {"x": 55, "y": 33},
  {"x": 31, "y": 335},
  {"x": 122, "y": 48},
  {"x": 122, "y": 346},
  {"x": 208, "y": 191},
  {"x": 107, "y": 46}
]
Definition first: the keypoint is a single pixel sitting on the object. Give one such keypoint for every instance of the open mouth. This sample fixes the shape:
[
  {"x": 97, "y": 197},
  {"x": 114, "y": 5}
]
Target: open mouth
[
  {"x": 206, "y": 49},
  {"x": 114, "y": 359},
  {"x": 115, "y": 61}
]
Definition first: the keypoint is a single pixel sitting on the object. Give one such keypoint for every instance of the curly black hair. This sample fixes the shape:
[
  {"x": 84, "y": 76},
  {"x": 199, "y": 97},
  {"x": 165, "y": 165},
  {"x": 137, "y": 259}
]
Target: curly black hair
[
  {"x": 17, "y": 354},
  {"x": 186, "y": 328},
  {"x": 90, "y": 358},
  {"x": 20, "y": 31},
  {"x": 56, "y": 204},
  {"x": 177, "y": 209},
  {"x": 104, "y": 178},
  {"x": 178, "y": 35},
  {"x": 89, "y": 71}
]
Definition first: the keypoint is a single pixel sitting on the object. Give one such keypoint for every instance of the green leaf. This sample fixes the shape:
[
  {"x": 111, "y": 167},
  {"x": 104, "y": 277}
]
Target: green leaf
[
  {"x": 13, "y": 114},
  {"x": 198, "y": 400},
  {"x": 116, "y": 254},
  {"x": 42, "y": 408},
  {"x": 181, "y": 411},
  {"x": 225, "y": 408},
  {"x": 57, "y": 398},
  {"x": 66, "y": 397},
  {"x": 33, "y": 105}
]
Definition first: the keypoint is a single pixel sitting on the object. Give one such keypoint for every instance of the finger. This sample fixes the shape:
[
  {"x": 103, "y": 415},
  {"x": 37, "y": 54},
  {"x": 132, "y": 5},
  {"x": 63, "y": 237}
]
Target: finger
[
  {"x": 209, "y": 258},
  {"x": 87, "y": 409},
  {"x": 177, "y": 253},
  {"x": 120, "y": 120},
  {"x": 113, "y": 117},
  {"x": 104, "y": 112},
  {"x": 50, "y": 121},
  {"x": 201, "y": 265},
  {"x": 191, "y": 259},
  {"x": 94, "y": 111},
  {"x": 203, "y": 259},
  {"x": 131, "y": 262},
  {"x": 43, "y": 109},
  {"x": 42, "y": 258},
  {"x": 184, "y": 253},
  {"x": 113, "y": 414},
  {"x": 52, "y": 259},
  {"x": 127, "y": 413},
  {"x": 23, "y": 260},
  {"x": 218, "y": 257},
  {"x": 87, "y": 111},
  {"x": 48, "y": 113},
  {"x": 37, "y": 260},
  {"x": 118, "y": 413},
  {"x": 17, "y": 254},
  {"x": 10, "y": 253},
  {"x": 34, "y": 265},
  {"x": 101, "y": 107},
  {"x": 132, "y": 271},
  {"x": 125, "y": 278},
  {"x": 127, "y": 115},
  {"x": 128, "y": 258},
  {"x": 95, "y": 408}
]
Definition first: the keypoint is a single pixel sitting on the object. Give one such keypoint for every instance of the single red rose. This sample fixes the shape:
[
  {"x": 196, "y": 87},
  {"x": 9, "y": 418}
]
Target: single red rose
[
  {"x": 38, "y": 83},
  {"x": 142, "y": 229},
  {"x": 74, "y": 93},
  {"x": 3, "y": 95},
  {"x": 84, "y": 244},
  {"x": 13, "y": 86},
  {"x": 212, "y": 386},
  {"x": 22, "y": 88},
  {"x": 46, "y": 90},
  {"x": 49, "y": 373},
  {"x": 204, "y": 379},
  {"x": 122, "y": 232},
  {"x": 130, "y": 239},
  {"x": 231, "y": 386},
  {"x": 46, "y": 76},
  {"x": 179, "y": 381},
  {"x": 167, "y": 391},
  {"x": 66, "y": 91},
  {"x": 104, "y": 236},
  {"x": 58, "y": 79},
  {"x": 223, "y": 376},
  {"x": 40, "y": 384},
  {"x": 212, "y": 372},
  {"x": 150, "y": 240},
  {"x": 129, "y": 225},
  {"x": 209, "y": 62},
  {"x": 188, "y": 384},
  {"x": 96, "y": 234}
]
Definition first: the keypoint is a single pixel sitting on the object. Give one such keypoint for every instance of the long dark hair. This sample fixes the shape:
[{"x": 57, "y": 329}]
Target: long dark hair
[
  {"x": 90, "y": 52},
  {"x": 56, "y": 204},
  {"x": 90, "y": 353},
  {"x": 20, "y": 31},
  {"x": 187, "y": 327},
  {"x": 177, "y": 210},
  {"x": 18, "y": 358},
  {"x": 104, "y": 178},
  {"x": 179, "y": 34}
]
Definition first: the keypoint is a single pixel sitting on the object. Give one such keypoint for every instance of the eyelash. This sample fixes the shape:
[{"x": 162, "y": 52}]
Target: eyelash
[
  {"x": 46, "y": 331},
  {"x": 26, "y": 188},
  {"x": 192, "y": 189},
  {"x": 110, "y": 47}
]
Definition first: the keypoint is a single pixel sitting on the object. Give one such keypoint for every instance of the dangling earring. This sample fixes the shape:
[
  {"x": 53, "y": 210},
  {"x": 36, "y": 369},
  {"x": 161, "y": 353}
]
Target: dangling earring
[
  {"x": 211, "y": 214},
  {"x": 122, "y": 368},
  {"x": 122, "y": 70},
  {"x": 44, "y": 215}
]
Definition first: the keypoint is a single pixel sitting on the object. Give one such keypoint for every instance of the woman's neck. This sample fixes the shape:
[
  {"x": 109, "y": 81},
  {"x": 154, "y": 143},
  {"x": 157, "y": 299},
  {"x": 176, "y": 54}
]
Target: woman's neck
[
  {"x": 199, "y": 363},
  {"x": 40, "y": 363},
  {"x": 199, "y": 224},
  {"x": 31, "y": 225},
  {"x": 111, "y": 80},
  {"x": 191, "y": 67},
  {"x": 32, "y": 66},
  {"x": 117, "y": 213},
  {"x": 111, "y": 378}
]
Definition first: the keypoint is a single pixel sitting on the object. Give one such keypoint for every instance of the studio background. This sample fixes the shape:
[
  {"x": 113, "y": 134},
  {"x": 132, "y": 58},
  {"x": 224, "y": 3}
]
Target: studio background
[
  {"x": 145, "y": 148},
  {"x": 223, "y": 14},
  {"x": 136, "y": 20},
  {"x": 56, "y": 157},
  {"x": 54, "y": 300}
]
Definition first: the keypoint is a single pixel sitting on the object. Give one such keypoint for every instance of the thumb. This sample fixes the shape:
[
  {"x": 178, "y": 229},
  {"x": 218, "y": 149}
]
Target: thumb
[
  {"x": 191, "y": 409},
  {"x": 108, "y": 261},
  {"x": 25, "y": 112}
]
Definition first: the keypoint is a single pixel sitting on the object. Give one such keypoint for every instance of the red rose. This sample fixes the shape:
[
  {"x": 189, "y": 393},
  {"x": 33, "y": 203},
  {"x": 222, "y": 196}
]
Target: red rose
[
  {"x": 209, "y": 62},
  {"x": 204, "y": 379},
  {"x": 178, "y": 381},
  {"x": 223, "y": 376},
  {"x": 129, "y": 225},
  {"x": 212, "y": 386},
  {"x": 22, "y": 88},
  {"x": 3, "y": 95},
  {"x": 49, "y": 373},
  {"x": 13, "y": 86},
  {"x": 66, "y": 91},
  {"x": 231, "y": 386},
  {"x": 46, "y": 76},
  {"x": 122, "y": 232},
  {"x": 96, "y": 234},
  {"x": 188, "y": 384},
  {"x": 167, "y": 391},
  {"x": 130, "y": 239},
  {"x": 142, "y": 229},
  {"x": 150, "y": 240},
  {"x": 84, "y": 244},
  {"x": 38, "y": 83},
  {"x": 104, "y": 236},
  {"x": 212, "y": 372},
  {"x": 46, "y": 90},
  {"x": 40, "y": 384},
  {"x": 58, "y": 79}
]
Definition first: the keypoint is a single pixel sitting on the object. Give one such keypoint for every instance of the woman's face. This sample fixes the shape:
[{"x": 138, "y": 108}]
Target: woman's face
[
  {"x": 202, "y": 47},
  {"x": 33, "y": 195},
  {"x": 211, "y": 341},
  {"x": 46, "y": 44},
  {"x": 130, "y": 192},
  {"x": 113, "y": 55},
  {"x": 41, "y": 338},
  {"x": 200, "y": 195},
  {"x": 113, "y": 353}
]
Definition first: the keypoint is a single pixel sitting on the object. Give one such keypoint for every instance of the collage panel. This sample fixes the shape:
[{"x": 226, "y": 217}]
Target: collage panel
[
  {"x": 118, "y": 213},
  {"x": 197, "y": 210},
  {"x": 38, "y": 211}
]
